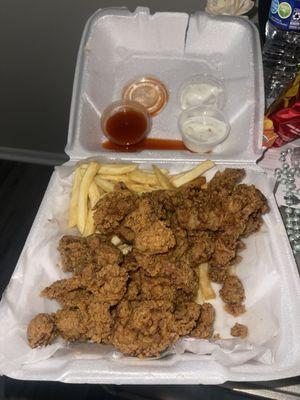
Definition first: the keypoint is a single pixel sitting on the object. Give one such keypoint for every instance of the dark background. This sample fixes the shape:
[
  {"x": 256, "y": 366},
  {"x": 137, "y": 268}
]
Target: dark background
[{"x": 39, "y": 40}]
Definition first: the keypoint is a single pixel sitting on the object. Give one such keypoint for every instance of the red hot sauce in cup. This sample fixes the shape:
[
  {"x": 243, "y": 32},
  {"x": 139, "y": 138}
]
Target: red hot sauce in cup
[{"x": 126, "y": 123}]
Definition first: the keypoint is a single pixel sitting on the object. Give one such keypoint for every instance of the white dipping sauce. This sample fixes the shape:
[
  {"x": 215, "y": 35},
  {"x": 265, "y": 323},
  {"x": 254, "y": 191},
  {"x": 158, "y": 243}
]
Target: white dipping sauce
[
  {"x": 200, "y": 93},
  {"x": 204, "y": 129}
]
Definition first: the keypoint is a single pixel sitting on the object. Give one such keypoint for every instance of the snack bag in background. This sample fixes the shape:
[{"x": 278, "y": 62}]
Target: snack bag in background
[
  {"x": 269, "y": 135},
  {"x": 282, "y": 120}
]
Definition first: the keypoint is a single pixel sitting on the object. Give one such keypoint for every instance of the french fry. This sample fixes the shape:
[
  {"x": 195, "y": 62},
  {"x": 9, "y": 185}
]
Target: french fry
[
  {"x": 107, "y": 186},
  {"x": 205, "y": 284},
  {"x": 176, "y": 176},
  {"x": 165, "y": 171},
  {"x": 232, "y": 270},
  {"x": 84, "y": 166},
  {"x": 82, "y": 171},
  {"x": 115, "y": 178},
  {"x": 92, "y": 181},
  {"x": 74, "y": 198},
  {"x": 87, "y": 179},
  {"x": 200, "y": 181},
  {"x": 199, "y": 298},
  {"x": 162, "y": 179},
  {"x": 89, "y": 228},
  {"x": 193, "y": 173},
  {"x": 151, "y": 172},
  {"x": 139, "y": 188},
  {"x": 143, "y": 177},
  {"x": 94, "y": 194},
  {"x": 116, "y": 169}
]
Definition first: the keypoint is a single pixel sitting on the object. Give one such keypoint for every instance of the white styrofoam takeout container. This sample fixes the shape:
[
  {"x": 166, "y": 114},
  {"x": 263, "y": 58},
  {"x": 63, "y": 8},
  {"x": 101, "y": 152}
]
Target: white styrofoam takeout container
[{"x": 116, "y": 46}]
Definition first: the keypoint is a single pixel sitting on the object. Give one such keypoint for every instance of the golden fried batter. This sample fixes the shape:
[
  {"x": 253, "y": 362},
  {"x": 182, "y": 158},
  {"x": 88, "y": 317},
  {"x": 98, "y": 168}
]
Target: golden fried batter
[
  {"x": 79, "y": 298},
  {"x": 204, "y": 328},
  {"x": 239, "y": 330},
  {"x": 61, "y": 287},
  {"x": 156, "y": 238},
  {"x": 93, "y": 324},
  {"x": 202, "y": 247},
  {"x": 113, "y": 208},
  {"x": 41, "y": 330},
  {"x": 141, "y": 217},
  {"x": 232, "y": 291},
  {"x": 218, "y": 273},
  {"x": 186, "y": 315},
  {"x": 143, "y": 302},
  {"x": 226, "y": 179},
  {"x": 235, "y": 309},
  {"x": 233, "y": 294},
  {"x": 157, "y": 289},
  {"x": 72, "y": 324},
  {"x": 100, "y": 322},
  {"x": 108, "y": 284},
  {"x": 76, "y": 252},
  {"x": 144, "y": 328}
]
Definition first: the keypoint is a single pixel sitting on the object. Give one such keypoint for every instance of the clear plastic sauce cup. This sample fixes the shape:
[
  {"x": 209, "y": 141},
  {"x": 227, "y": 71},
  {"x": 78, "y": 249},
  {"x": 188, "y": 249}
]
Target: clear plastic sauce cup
[
  {"x": 148, "y": 91},
  {"x": 202, "y": 90},
  {"x": 203, "y": 128},
  {"x": 125, "y": 122}
]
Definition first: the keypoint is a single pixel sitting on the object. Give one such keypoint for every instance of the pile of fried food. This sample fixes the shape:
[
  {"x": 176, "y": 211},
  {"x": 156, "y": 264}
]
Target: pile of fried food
[{"x": 149, "y": 248}]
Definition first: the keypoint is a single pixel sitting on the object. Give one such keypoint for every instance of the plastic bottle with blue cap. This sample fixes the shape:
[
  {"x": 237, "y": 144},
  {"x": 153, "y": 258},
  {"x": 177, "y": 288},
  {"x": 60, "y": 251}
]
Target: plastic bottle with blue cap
[{"x": 281, "y": 53}]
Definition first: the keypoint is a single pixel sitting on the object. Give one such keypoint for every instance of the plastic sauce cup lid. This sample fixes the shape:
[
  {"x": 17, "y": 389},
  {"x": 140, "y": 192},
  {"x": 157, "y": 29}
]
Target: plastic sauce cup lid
[
  {"x": 202, "y": 90},
  {"x": 148, "y": 91}
]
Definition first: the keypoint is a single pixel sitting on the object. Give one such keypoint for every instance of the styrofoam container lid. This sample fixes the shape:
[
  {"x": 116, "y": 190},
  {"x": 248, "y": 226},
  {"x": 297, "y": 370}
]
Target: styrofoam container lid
[{"x": 117, "y": 46}]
